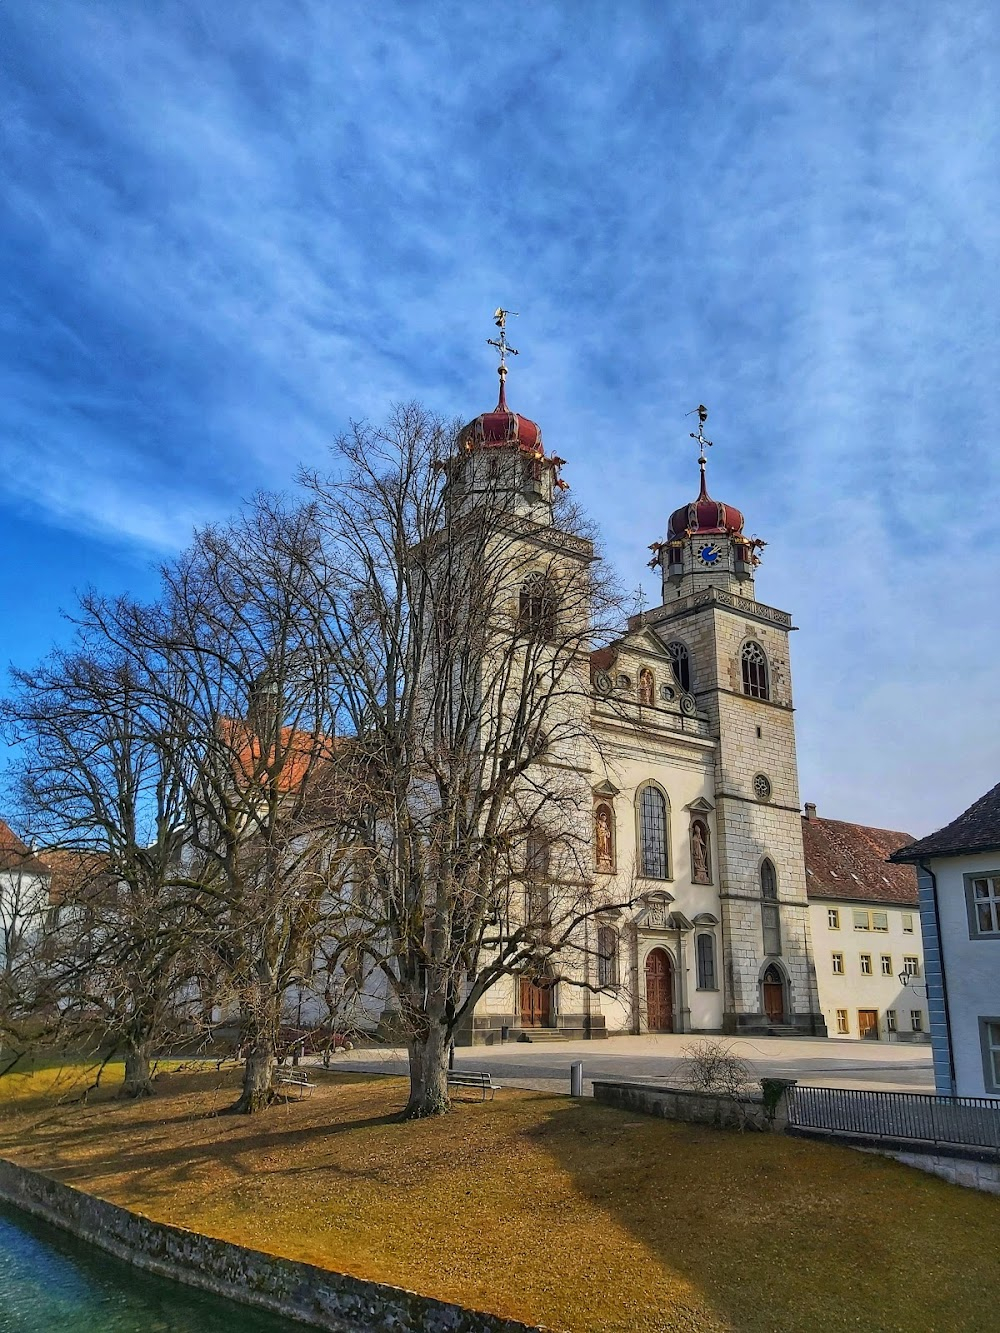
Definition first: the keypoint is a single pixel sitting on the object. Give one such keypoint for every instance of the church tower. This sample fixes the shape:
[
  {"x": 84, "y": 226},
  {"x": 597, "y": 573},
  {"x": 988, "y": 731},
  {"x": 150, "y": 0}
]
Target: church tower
[{"x": 734, "y": 651}]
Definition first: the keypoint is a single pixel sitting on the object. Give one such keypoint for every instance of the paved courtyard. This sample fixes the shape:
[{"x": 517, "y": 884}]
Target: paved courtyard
[{"x": 545, "y": 1065}]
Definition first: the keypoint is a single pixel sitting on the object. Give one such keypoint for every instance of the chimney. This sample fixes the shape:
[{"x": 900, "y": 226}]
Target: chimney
[{"x": 810, "y": 811}]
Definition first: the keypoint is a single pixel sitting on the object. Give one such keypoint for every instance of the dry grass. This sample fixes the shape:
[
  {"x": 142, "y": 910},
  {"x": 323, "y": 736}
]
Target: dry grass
[{"x": 534, "y": 1206}]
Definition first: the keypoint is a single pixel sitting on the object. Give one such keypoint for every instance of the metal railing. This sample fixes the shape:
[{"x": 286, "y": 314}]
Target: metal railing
[{"x": 922, "y": 1117}]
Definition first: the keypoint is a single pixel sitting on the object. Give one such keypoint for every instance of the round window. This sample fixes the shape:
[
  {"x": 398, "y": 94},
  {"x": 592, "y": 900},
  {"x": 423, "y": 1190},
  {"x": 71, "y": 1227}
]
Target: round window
[{"x": 761, "y": 787}]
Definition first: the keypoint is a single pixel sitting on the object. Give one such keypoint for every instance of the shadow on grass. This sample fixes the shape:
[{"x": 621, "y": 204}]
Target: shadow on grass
[{"x": 783, "y": 1233}]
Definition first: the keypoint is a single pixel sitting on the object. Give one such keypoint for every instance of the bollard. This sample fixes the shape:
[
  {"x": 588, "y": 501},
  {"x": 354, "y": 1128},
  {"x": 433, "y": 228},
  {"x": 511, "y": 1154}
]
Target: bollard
[{"x": 576, "y": 1079}]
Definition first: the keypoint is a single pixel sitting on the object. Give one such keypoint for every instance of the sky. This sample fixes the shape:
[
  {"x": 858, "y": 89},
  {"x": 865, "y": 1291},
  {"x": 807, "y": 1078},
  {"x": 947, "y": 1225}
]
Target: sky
[{"x": 228, "y": 231}]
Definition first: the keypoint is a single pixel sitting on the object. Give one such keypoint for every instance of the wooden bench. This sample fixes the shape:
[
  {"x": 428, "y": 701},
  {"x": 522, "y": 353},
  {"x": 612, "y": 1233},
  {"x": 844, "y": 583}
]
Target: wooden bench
[
  {"x": 458, "y": 1078},
  {"x": 285, "y": 1082}
]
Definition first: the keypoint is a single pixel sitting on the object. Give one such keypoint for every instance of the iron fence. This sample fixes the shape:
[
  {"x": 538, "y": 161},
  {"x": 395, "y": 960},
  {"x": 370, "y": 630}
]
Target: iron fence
[{"x": 922, "y": 1117}]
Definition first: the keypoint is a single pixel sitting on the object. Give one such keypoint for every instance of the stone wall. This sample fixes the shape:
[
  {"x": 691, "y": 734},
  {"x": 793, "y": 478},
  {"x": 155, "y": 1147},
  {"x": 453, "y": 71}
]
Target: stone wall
[
  {"x": 696, "y": 1108},
  {"x": 309, "y": 1295}
]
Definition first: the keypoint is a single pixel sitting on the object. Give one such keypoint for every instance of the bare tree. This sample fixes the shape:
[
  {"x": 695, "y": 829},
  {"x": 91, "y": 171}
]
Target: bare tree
[
  {"x": 463, "y": 597},
  {"x": 240, "y": 635},
  {"x": 99, "y": 782}
]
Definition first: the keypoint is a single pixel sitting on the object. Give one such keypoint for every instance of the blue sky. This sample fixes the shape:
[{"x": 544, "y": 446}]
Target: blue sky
[{"x": 228, "y": 230}]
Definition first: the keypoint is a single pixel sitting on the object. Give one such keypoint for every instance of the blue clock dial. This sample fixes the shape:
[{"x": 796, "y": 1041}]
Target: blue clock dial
[{"x": 709, "y": 554}]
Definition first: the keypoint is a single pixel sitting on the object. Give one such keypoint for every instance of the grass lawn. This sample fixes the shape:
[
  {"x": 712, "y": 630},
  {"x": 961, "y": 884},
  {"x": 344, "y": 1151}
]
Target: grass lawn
[{"x": 535, "y": 1206}]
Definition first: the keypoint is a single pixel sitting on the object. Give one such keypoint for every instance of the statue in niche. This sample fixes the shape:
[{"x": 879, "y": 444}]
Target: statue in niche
[
  {"x": 700, "y": 872},
  {"x": 646, "y": 687},
  {"x": 604, "y": 838}
]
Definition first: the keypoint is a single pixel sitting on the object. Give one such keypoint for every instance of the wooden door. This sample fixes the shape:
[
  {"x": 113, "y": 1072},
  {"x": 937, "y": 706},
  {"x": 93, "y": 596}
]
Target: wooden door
[
  {"x": 774, "y": 996},
  {"x": 868, "y": 1024},
  {"x": 536, "y": 1002},
  {"x": 659, "y": 992}
]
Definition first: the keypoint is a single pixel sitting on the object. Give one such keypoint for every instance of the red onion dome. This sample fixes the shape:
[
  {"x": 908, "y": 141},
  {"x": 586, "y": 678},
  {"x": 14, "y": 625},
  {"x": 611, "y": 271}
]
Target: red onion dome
[
  {"x": 704, "y": 516},
  {"x": 502, "y": 429}
]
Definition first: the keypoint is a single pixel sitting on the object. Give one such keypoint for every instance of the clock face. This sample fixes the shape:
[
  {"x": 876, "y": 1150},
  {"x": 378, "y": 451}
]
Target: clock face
[{"x": 710, "y": 553}]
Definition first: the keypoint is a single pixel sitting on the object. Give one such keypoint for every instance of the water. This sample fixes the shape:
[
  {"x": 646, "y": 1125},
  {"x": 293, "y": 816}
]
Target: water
[{"x": 52, "y": 1283}]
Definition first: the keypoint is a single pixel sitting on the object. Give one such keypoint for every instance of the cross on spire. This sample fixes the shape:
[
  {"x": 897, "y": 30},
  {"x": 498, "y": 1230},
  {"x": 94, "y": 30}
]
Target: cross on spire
[
  {"x": 503, "y": 347},
  {"x": 702, "y": 411}
]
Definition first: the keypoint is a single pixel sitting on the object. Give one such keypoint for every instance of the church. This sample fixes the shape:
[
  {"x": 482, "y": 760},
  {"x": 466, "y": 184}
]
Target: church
[{"x": 692, "y": 790}]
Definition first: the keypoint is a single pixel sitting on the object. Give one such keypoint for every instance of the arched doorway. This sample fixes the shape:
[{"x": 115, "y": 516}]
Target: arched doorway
[
  {"x": 659, "y": 991},
  {"x": 536, "y": 1002},
  {"x": 774, "y": 995}
]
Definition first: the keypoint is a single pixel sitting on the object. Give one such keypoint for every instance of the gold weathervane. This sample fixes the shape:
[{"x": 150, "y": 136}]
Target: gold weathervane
[
  {"x": 501, "y": 343},
  {"x": 703, "y": 444}
]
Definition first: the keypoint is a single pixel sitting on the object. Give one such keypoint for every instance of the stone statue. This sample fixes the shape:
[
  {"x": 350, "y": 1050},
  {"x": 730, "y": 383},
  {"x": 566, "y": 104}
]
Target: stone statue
[
  {"x": 602, "y": 833},
  {"x": 699, "y": 853},
  {"x": 646, "y": 687}
]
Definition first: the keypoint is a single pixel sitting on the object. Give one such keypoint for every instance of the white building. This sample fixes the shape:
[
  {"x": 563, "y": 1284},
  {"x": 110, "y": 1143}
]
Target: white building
[
  {"x": 865, "y": 927},
  {"x": 958, "y": 872},
  {"x": 24, "y": 898}
]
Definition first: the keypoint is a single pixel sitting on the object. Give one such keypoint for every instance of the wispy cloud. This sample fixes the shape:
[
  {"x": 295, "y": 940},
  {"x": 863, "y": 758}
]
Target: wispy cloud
[{"x": 231, "y": 233}]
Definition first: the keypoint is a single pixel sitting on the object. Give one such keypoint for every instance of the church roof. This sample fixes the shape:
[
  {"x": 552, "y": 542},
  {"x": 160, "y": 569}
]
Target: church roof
[
  {"x": 975, "y": 830},
  {"x": 502, "y": 429},
  {"x": 849, "y": 861}
]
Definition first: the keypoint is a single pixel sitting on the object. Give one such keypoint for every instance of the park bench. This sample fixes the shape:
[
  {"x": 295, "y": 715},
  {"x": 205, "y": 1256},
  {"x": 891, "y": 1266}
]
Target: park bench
[
  {"x": 287, "y": 1082},
  {"x": 458, "y": 1078}
]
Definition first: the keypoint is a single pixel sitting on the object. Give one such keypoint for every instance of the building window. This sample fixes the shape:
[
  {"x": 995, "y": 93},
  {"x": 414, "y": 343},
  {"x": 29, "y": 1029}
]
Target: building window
[
  {"x": 989, "y": 1036},
  {"x": 983, "y": 900},
  {"x": 833, "y": 918},
  {"x": 838, "y": 964},
  {"x": 604, "y": 837},
  {"x": 770, "y": 911},
  {"x": 624, "y": 682},
  {"x": 861, "y": 920},
  {"x": 536, "y": 612},
  {"x": 653, "y": 834},
  {"x": 536, "y": 855},
  {"x": 706, "y": 961},
  {"x": 890, "y": 1020},
  {"x": 680, "y": 664},
  {"x": 911, "y": 966},
  {"x": 701, "y": 853},
  {"x": 843, "y": 1022},
  {"x": 536, "y": 870},
  {"x": 647, "y": 687},
  {"x": 887, "y": 965},
  {"x": 754, "y": 662},
  {"x": 866, "y": 964},
  {"x": 607, "y": 956},
  {"x": 762, "y": 787},
  {"x": 880, "y": 921},
  {"x": 907, "y": 920},
  {"x": 917, "y": 1020}
]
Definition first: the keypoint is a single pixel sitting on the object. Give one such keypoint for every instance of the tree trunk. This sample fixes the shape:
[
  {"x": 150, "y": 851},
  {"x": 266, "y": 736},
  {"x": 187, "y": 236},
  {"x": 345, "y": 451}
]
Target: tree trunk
[
  {"x": 138, "y": 1078},
  {"x": 257, "y": 1071},
  {"x": 428, "y": 1074}
]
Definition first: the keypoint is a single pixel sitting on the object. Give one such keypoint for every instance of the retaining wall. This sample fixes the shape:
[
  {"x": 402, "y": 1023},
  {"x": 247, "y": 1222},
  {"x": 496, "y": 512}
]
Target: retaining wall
[
  {"x": 697, "y": 1108},
  {"x": 314, "y": 1296}
]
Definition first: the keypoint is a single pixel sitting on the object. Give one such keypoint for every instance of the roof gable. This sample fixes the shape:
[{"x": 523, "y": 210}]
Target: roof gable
[{"x": 975, "y": 830}]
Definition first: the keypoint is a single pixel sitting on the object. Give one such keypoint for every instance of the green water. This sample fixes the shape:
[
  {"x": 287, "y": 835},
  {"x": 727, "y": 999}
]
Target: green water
[{"x": 51, "y": 1283}]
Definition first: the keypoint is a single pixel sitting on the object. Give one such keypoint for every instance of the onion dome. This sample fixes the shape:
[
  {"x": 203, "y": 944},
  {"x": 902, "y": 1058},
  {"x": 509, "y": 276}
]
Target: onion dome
[
  {"x": 502, "y": 429},
  {"x": 704, "y": 516}
]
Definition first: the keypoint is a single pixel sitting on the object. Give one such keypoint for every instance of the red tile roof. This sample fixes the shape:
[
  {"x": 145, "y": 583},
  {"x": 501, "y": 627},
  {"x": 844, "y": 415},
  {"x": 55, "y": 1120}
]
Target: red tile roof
[
  {"x": 16, "y": 855},
  {"x": 848, "y": 861}
]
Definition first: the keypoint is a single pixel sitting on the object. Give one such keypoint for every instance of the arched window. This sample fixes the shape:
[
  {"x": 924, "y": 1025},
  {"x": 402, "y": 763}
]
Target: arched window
[
  {"x": 680, "y": 663},
  {"x": 536, "y": 610},
  {"x": 607, "y": 956},
  {"x": 604, "y": 837},
  {"x": 754, "y": 662},
  {"x": 647, "y": 687},
  {"x": 705, "y": 949},
  {"x": 701, "y": 853},
  {"x": 653, "y": 860},
  {"x": 536, "y": 875},
  {"x": 770, "y": 912}
]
